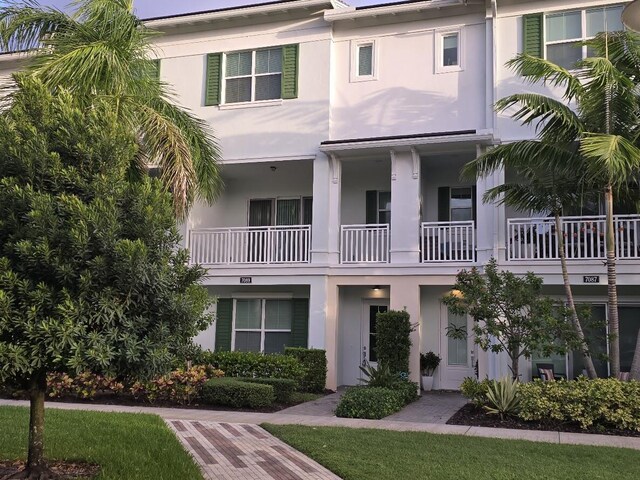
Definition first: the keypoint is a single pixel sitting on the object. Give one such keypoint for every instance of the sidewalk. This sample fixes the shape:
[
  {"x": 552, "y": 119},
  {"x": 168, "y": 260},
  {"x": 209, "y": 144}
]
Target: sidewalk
[{"x": 315, "y": 421}]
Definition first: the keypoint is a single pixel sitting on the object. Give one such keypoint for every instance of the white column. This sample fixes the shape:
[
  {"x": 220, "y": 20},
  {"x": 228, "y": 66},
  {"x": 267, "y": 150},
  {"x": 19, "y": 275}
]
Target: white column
[
  {"x": 331, "y": 334},
  {"x": 405, "y": 295},
  {"x": 317, "y": 312},
  {"x": 490, "y": 219},
  {"x": 325, "y": 229},
  {"x": 405, "y": 207}
]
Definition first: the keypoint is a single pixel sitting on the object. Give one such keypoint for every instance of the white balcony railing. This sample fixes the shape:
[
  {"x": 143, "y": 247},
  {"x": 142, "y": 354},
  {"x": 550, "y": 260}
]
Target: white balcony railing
[
  {"x": 448, "y": 242},
  {"x": 584, "y": 238},
  {"x": 243, "y": 245},
  {"x": 364, "y": 243}
]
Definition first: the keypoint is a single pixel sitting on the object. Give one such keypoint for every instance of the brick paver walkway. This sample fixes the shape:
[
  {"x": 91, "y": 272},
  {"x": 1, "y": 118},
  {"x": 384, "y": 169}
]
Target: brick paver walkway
[
  {"x": 431, "y": 407},
  {"x": 241, "y": 451}
]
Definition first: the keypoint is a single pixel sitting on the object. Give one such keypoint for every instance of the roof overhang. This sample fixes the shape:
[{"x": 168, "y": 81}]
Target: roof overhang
[
  {"x": 247, "y": 11},
  {"x": 420, "y": 142},
  {"x": 394, "y": 8}
]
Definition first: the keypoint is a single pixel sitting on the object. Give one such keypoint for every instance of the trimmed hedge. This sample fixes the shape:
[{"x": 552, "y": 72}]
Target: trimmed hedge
[
  {"x": 314, "y": 362},
  {"x": 369, "y": 402},
  {"x": 283, "y": 388},
  {"x": 255, "y": 365},
  {"x": 409, "y": 390},
  {"x": 393, "y": 340},
  {"x": 231, "y": 392},
  {"x": 603, "y": 402}
]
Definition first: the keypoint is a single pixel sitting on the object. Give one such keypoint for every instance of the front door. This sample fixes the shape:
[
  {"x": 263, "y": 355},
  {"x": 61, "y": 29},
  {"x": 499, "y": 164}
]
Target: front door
[
  {"x": 368, "y": 353},
  {"x": 458, "y": 353}
]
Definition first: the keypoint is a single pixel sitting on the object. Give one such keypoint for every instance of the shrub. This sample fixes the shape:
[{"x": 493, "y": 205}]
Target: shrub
[
  {"x": 369, "y": 402},
  {"x": 600, "y": 403},
  {"x": 409, "y": 390},
  {"x": 378, "y": 376},
  {"x": 231, "y": 392},
  {"x": 283, "y": 388},
  {"x": 503, "y": 397},
  {"x": 180, "y": 386},
  {"x": 393, "y": 342},
  {"x": 84, "y": 385},
  {"x": 314, "y": 362},
  {"x": 254, "y": 365},
  {"x": 428, "y": 363},
  {"x": 475, "y": 391}
]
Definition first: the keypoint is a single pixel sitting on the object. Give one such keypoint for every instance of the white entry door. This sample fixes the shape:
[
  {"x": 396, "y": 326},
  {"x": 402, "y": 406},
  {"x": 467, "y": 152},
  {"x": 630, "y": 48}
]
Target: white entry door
[
  {"x": 458, "y": 354},
  {"x": 368, "y": 352}
]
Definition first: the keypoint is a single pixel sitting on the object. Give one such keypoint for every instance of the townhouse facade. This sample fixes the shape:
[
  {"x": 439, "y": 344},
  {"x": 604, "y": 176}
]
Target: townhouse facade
[{"x": 343, "y": 132}]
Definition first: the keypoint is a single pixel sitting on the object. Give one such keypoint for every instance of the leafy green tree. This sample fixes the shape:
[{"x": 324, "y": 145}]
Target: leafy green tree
[
  {"x": 543, "y": 189},
  {"x": 91, "y": 273},
  {"x": 511, "y": 314},
  {"x": 103, "y": 51},
  {"x": 599, "y": 113}
]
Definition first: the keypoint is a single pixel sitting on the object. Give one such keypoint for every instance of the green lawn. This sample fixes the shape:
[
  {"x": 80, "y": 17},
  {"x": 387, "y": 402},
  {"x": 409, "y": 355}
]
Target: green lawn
[
  {"x": 126, "y": 446},
  {"x": 381, "y": 454}
]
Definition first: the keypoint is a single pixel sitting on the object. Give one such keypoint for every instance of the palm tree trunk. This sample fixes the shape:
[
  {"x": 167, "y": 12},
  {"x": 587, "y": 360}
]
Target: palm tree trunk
[
  {"x": 612, "y": 289},
  {"x": 588, "y": 361}
]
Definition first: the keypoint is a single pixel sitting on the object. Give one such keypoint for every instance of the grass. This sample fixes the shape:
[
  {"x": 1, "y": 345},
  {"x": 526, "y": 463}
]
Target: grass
[
  {"x": 126, "y": 446},
  {"x": 357, "y": 454}
]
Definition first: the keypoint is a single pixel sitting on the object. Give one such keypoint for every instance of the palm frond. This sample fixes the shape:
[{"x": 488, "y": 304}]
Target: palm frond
[
  {"x": 554, "y": 120},
  {"x": 539, "y": 70},
  {"x": 622, "y": 48},
  {"x": 610, "y": 158}
]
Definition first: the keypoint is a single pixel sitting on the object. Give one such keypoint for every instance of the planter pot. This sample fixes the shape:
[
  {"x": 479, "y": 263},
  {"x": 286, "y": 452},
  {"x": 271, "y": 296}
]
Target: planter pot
[{"x": 427, "y": 383}]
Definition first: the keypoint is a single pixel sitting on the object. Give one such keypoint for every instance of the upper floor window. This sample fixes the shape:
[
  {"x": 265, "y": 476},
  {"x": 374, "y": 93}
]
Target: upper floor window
[
  {"x": 378, "y": 207},
  {"x": 565, "y": 31},
  {"x": 363, "y": 60},
  {"x": 239, "y": 78},
  {"x": 253, "y": 76},
  {"x": 448, "y": 46}
]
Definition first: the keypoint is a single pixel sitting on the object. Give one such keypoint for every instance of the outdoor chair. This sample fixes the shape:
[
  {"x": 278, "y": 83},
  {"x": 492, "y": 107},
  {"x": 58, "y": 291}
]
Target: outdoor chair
[{"x": 546, "y": 372}]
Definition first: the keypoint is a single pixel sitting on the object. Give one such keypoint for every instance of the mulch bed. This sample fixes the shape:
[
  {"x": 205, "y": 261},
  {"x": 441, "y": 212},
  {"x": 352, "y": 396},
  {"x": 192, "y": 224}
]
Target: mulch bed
[
  {"x": 64, "y": 470},
  {"x": 472, "y": 416}
]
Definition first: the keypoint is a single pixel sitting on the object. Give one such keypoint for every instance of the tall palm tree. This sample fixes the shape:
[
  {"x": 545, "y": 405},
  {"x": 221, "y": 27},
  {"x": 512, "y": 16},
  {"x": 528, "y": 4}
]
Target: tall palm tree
[
  {"x": 544, "y": 189},
  {"x": 103, "y": 50},
  {"x": 604, "y": 123}
]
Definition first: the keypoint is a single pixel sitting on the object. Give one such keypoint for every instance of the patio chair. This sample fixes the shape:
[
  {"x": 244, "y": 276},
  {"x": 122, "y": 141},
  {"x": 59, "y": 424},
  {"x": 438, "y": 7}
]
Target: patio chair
[{"x": 546, "y": 372}]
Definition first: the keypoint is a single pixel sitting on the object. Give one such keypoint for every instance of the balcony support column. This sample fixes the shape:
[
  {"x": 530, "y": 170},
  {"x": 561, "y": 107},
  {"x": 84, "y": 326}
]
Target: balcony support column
[
  {"x": 490, "y": 218},
  {"x": 325, "y": 230},
  {"x": 405, "y": 295},
  {"x": 405, "y": 206}
]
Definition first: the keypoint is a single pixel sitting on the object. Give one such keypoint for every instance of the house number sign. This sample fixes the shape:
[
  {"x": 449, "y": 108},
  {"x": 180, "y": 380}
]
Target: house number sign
[
  {"x": 246, "y": 280},
  {"x": 591, "y": 279}
]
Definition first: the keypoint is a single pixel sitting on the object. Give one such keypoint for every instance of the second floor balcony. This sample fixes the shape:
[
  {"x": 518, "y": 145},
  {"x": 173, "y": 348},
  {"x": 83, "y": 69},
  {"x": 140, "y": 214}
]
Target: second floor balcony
[{"x": 535, "y": 239}]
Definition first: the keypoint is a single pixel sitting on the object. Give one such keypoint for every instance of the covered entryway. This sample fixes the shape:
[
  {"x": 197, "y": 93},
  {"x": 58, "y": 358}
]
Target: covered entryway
[{"x": 457, "y": 349}]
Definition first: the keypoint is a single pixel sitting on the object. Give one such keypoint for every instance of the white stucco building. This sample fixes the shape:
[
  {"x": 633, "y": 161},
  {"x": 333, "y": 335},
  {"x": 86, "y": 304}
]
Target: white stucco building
[{"x": 343, "y": 133}]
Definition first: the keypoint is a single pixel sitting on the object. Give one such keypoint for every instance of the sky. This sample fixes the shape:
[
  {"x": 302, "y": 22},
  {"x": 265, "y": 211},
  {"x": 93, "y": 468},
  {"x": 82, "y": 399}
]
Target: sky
[{"x": 156, "y": 8}]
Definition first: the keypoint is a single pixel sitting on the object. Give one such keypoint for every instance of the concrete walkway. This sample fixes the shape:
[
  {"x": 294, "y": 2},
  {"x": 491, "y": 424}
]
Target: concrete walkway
[
  {"x": 315, "y": 421},
  {"x": 244, "y": 452},
  {"x": 431, "y": 407}
]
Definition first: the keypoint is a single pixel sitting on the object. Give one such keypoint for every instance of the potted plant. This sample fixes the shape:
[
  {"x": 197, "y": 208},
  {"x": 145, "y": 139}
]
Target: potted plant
[{"x": 428, "y": 363}]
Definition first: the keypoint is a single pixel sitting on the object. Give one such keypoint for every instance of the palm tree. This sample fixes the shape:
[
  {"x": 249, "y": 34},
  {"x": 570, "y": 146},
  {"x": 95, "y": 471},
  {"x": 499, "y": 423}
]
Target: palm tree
[
  {"x": 604, "y": 123},
  {"x": 543, "y": 189},
  {"x": 102, "y": 50}
]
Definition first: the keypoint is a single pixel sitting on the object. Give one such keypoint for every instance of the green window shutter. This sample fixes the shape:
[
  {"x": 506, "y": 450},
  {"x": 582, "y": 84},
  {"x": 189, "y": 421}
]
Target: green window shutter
[
  {"x": 300, "y": 324},
  {"x": 444, "y": 194},
  {"x": 372, "y": 206},
  {"x": 533, "y": 34},
  {"x": 224, "y": 324},
  {"x": 214, "y": 79},
  {"x": 290, "y": 71}
]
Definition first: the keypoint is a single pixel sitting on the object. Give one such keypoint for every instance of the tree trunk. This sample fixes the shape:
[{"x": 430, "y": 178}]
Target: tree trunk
[
  {"x": 515, "y": 365},
  {"x": 37, "y": 468},
  {"x": 588, "y": 361},
  {"x": 612, "y": 289}
]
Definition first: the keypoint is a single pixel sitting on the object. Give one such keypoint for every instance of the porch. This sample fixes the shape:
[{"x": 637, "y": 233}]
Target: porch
[{"x": 534, "y": 239}]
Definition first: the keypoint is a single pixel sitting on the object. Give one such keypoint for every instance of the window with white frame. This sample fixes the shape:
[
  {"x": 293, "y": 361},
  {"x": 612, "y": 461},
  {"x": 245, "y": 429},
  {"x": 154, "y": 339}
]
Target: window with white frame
[
  {"x": 461, "y": 204},
  {"x": 448, "y": 51},
  {"x": 384, "y": 207},
  {"x": 363, "y": 60},
  {"x": 262, "y": 325},
  {"x": 253, "y": 76},
  {"x": 565, "y": 32}
]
